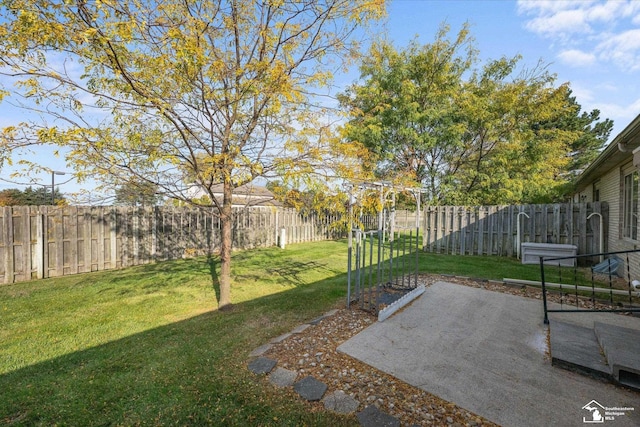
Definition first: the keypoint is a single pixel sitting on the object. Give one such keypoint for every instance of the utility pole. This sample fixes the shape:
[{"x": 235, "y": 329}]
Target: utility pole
[{"x": 53, "y": 191}]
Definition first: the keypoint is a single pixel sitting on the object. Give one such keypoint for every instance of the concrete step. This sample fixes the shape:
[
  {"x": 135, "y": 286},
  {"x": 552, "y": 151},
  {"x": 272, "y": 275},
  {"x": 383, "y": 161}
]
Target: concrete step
[
  {"x": 621, "y": 348},
  {"x": 576, "y": 348}
]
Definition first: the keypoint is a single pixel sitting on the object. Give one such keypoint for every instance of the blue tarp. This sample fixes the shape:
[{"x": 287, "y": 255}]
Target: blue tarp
[{"x": 609, "y": 265}]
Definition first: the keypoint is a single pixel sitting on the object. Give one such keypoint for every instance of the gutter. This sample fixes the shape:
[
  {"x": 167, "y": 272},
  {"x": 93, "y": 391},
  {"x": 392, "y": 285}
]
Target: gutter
[{"x": 624, "y": 142}]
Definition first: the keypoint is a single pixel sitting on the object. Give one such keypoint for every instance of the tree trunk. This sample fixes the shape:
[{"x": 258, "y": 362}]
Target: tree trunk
[{"x": 226, "y": 223}]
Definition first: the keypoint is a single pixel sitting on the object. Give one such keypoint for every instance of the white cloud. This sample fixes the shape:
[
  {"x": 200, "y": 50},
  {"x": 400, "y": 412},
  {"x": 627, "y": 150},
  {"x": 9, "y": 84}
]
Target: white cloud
[
  {"x": 560, "y": 23},
  {"x": 621, "y": 114},
  {"x": 550, "y": 6},
  {"x": 609, "y": 11},
  {"x": 608, "y": 87},
  {"x": 632, "y": 10},
  {"x": 577, "y": 58},
  {"x": 582, "y": 94},
  {"x": 623, "y": 49},
  {"x": 586, "y": 32},
  {"x": 562, "y": 18}
]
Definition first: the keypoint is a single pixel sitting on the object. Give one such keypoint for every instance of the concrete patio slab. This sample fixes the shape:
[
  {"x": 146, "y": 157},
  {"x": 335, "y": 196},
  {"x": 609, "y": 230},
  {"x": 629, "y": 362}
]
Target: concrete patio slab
[{"x": 486, "y": 352}]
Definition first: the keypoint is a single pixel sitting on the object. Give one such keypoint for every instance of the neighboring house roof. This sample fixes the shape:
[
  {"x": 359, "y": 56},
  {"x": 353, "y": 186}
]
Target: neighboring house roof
[
  {"x": 245, "y": 195},
  {"x": 618, "y": 150}
]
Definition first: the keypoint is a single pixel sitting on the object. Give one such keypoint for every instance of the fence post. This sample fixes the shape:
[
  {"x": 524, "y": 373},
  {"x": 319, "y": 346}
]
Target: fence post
[
  {"x": 8, "y": 248},
  {"x": 135, "y": 234},
  {"x": 283, "y": 238},
  {"x": 113, "y": 238},
  {"x": 73, "y": 239},
  {"x": 85, "y": 243},
  {"x": 544, "y": 291},
  {"x": 425, "y": 225},
  {"x": 98, "y": 224},
  {"x": 59, "y": 239},
  {"x": 39, "y": 250},
  {"x": 154, "y": 233},
  {"x": 276, "y": 224}
]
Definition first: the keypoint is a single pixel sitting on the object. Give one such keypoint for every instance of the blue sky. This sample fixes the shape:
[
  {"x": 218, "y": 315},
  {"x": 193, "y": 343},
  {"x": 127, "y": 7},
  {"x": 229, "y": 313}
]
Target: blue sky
[{"x": 593, "y": 45}]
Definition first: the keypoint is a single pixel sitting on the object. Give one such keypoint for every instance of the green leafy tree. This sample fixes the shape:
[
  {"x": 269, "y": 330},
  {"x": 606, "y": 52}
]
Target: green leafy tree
[
  {"x": 593, "y": 132},
  {"x": 179, "y": 93},
  {"x": 528, "y": 140},
  {"x": 405, "y": 109},
  {"x": 496, "y": 134},
  {"x": 508, "y": 158}
]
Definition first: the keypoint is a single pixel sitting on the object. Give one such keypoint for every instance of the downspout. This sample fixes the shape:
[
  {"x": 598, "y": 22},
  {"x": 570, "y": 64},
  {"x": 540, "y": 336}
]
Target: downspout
[
  {"x": 518, "y": 233},
  {"x": 622, "y": 146}
]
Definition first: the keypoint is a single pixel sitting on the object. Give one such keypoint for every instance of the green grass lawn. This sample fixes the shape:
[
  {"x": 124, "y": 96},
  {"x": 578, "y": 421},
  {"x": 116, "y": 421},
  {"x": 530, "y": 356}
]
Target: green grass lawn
[{"x": 146, "y": 346}]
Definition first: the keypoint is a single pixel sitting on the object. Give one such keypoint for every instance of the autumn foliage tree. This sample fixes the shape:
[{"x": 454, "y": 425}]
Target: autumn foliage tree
[
  {"x": 178, "y": 93},
  {"x": 137, "y": 193}
]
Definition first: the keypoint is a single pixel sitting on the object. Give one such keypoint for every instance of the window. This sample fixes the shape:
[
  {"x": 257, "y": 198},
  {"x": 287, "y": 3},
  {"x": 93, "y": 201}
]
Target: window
[
  {"x": 630, "y": 208},
  {"x": 596, "y": 191}
]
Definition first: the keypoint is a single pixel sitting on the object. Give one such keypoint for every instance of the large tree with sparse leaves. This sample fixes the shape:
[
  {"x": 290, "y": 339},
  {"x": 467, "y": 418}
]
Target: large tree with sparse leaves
[
  {"x": 178, "y": 94},
  {"x": 137, "y": 193}
]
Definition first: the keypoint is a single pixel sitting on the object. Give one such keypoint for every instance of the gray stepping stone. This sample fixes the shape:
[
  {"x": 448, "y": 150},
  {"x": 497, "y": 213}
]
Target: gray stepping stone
[
  {"x": 340, "y": 402},
  {"x": 331, "y": 312},
  {"x": 282, "y": 377},
  {"x": 324, "y": 316},
  {"x": 371, "y": 416},
  {"x": 281, "y": 338},
  {"x": 316, "y": 320},
  {"x": 310, "y": 388},
  {"x": 260, "y": 350},
  {"x": 300, "y": 328},
  {"x": 262, "y": 365}
]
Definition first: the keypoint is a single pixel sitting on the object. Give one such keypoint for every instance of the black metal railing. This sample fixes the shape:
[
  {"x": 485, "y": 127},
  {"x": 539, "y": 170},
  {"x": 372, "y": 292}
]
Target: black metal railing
[
  {"x": 379, "y": 263},
  {"x": 613, "y": 290}
]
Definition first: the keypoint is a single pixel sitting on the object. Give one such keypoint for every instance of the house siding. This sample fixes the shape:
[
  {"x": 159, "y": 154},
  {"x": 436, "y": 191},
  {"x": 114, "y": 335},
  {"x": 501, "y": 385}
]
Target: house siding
[
  {"x": 620, "y": 157},
  {"x": 611, "y": 191}
]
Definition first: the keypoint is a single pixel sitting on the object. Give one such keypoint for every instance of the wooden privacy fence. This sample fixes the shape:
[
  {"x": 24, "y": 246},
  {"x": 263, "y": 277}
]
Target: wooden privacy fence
[
  {"x": 48, "y": 241},
  {"x": 405, "y": 219},
  {"x": 493, "y": 230}
]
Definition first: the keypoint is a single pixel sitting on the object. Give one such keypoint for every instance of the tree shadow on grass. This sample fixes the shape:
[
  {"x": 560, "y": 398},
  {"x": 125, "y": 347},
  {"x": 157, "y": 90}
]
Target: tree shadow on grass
[
  {"x": 292, "y": 271},
  {"x": 163, "y": 273},
  {"x": 191, "y": 372},
  {"x": 215, "y": 280}
]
